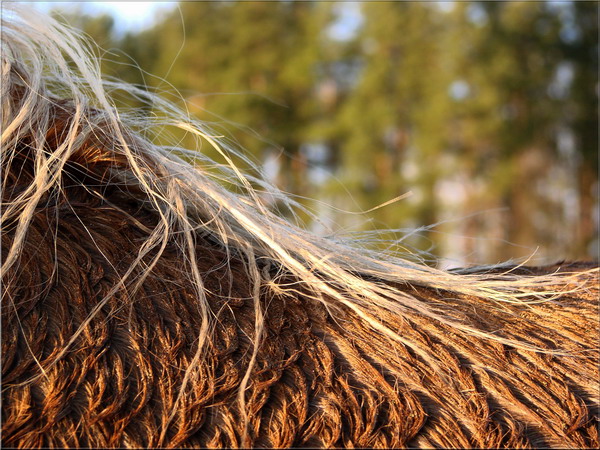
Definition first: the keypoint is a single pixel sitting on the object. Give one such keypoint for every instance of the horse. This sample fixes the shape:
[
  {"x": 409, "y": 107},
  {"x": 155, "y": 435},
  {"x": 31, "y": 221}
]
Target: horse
[{"x": 147, "y": 303}]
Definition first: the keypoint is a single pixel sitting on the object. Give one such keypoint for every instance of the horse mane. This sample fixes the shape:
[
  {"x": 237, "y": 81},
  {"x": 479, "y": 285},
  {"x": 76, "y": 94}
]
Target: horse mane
[{"x": 151, "y": 299}]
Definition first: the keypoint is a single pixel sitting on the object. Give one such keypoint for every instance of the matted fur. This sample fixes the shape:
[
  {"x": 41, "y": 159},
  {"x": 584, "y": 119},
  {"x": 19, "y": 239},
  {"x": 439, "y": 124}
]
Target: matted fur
[{"x": 145, "y": 305}]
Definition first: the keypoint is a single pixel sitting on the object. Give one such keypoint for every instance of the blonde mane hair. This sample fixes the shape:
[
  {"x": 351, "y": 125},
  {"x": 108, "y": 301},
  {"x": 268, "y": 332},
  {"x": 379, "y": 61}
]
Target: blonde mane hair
[{"x": 59, "y": 119}]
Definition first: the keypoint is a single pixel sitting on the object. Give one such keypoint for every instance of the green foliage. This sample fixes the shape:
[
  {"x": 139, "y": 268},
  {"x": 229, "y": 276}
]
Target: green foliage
[{"x": 482, "y": 106}]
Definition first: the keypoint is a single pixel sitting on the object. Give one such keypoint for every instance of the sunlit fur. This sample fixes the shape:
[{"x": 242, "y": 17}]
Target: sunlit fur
[{"x": 144, "y": 304}]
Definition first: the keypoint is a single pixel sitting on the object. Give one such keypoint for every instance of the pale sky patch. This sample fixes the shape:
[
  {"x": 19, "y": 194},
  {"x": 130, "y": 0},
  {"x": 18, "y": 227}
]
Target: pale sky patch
[{"x": 129, "y": 16}]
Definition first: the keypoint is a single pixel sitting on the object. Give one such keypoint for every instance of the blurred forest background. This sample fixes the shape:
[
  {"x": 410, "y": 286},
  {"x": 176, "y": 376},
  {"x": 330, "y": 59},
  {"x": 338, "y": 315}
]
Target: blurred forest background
[{"x": 486, "y": 111}]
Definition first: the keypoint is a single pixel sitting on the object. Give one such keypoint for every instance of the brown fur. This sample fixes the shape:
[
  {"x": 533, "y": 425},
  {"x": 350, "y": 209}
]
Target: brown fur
[{"x": 318, "y": 381}]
